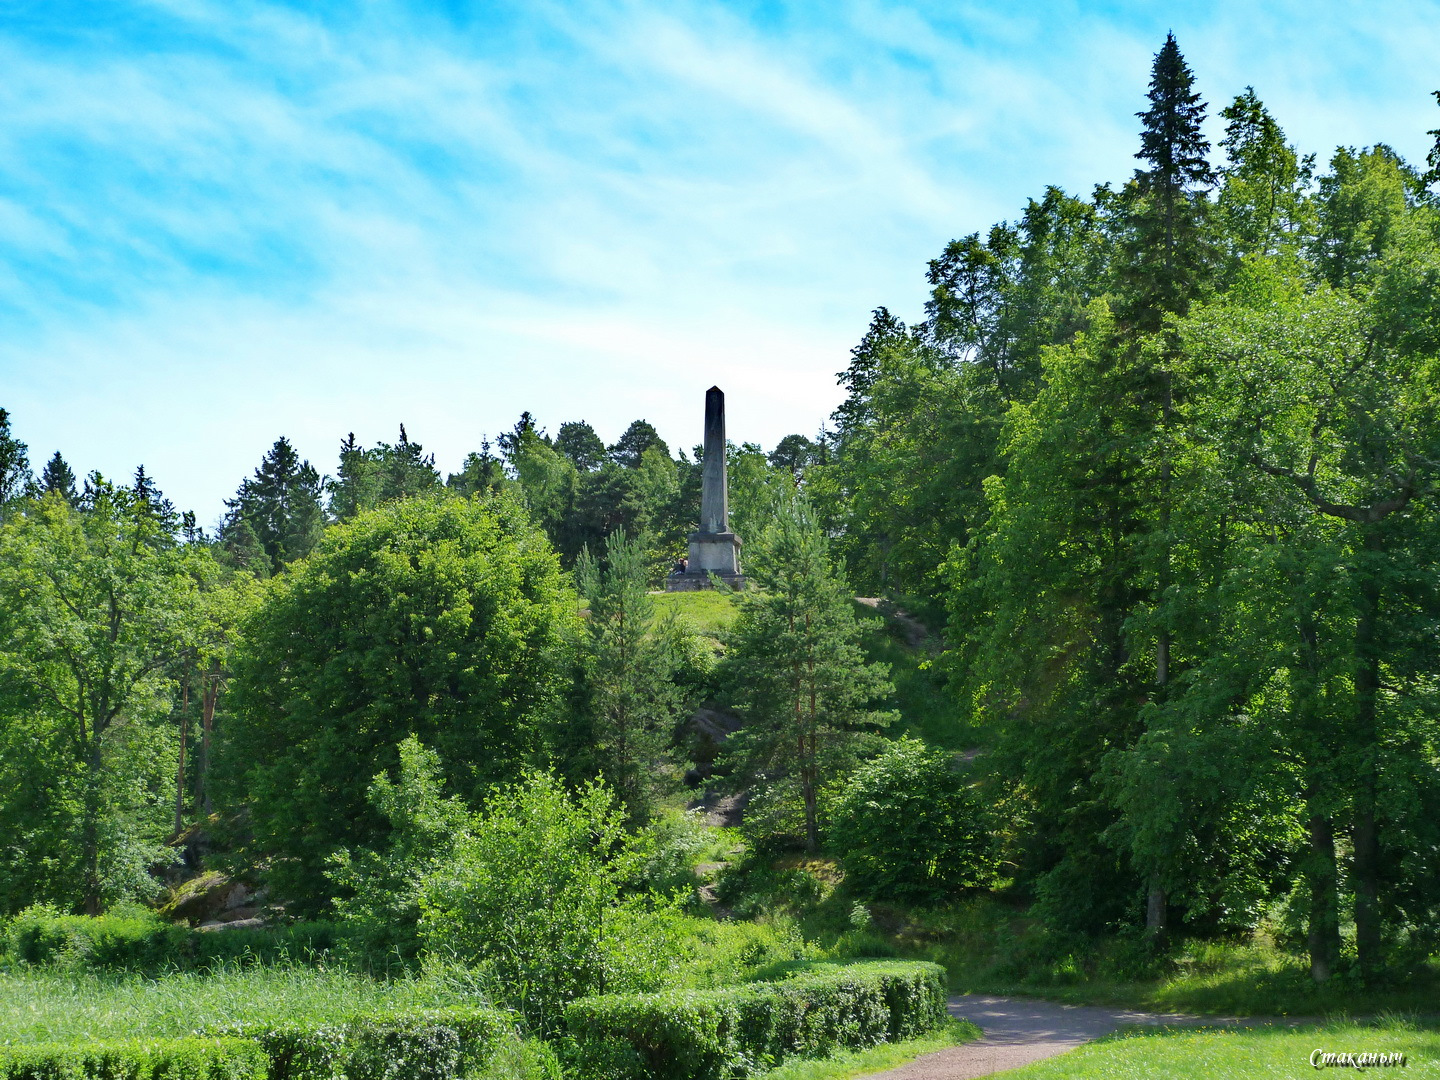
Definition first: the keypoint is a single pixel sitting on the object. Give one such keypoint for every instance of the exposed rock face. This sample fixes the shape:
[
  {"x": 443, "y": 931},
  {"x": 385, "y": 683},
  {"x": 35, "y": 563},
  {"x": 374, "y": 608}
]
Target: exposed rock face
[
  {"x": 703, "y": 735},
  {"x": 211, "y": 899}
]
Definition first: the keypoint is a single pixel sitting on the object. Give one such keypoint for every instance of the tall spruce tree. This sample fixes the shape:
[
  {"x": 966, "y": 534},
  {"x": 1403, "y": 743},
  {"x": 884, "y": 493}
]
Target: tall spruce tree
[
  {"x": 279, "y": 507},
  {"x": 58, "y": 478},
  {"x": 1168, "y": 256}
]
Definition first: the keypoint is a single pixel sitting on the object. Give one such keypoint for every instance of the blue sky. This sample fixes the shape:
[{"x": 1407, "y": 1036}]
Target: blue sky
[{"x": 222, "y": 222}]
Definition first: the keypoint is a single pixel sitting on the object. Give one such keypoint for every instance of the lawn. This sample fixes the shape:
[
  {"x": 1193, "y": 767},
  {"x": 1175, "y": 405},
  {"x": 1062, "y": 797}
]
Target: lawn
[
  {"x": 1242, "y": 1054},
  {"x": 59, "y": 1006},
  {"x": 708, "y": 612}
]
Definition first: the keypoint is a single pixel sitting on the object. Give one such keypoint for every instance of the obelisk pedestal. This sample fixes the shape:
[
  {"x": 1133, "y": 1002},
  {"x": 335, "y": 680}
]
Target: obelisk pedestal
[{"x": 714, "y": 549}]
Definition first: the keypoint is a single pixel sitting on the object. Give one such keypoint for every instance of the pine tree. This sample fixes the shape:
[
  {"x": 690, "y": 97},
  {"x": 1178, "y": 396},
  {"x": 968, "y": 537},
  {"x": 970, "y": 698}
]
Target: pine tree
[
  {"x": 279, "y": 507},
  {"x": 58, "y": 478},
  {"x": 800, "y": 676},
  {"x": 630, "y": 659},
  {"x": 577, "y": 441},
  {"x": 631, "y": 446},
  {"x": 1168, "y": 256}
]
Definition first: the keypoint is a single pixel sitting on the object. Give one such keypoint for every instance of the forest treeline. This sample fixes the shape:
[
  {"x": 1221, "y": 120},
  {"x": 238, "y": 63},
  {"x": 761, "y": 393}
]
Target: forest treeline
[{"x": 1162, "y": 460}]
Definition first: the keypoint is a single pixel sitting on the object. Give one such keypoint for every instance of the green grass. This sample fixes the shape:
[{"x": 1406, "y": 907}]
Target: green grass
[
  {"x": 708, "y": 612},
  {"x": 927, "y": 709},
  {"x": 1245, "y": 1054},
  {"x": 847, "y": 1063},
  {"x": 58, "y": 1006},
  {"x": 990, "y": 947}
]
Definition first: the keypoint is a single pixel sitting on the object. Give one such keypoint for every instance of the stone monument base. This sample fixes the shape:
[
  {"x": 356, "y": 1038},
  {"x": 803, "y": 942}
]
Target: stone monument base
[
  {"x": 715, "y": 553},
  {"x": 696, "y": 582}
]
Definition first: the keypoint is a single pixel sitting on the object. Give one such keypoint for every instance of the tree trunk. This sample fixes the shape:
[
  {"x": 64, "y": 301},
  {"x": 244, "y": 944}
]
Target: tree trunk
[
  {"x": 1155, "y": 904},
  {"x": 90, "y": 827},
  {"x": 1364, "y": 830},
  {"x": 1324, "y": 928},
  {"x": 808, "y": 749},
  {"x": 207, "y": 722},
  {"x": 180, "y": 768}
]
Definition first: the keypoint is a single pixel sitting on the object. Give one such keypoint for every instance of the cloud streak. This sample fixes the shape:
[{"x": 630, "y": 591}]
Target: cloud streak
[{"x": 221, "y": 222}]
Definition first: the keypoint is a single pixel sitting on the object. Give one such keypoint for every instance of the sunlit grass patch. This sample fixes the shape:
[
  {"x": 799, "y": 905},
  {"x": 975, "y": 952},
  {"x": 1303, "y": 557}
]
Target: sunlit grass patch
[
  {"x": 708, "y": 612},
  {"x": 63, "y": 1006},
  {"x": 1242, "y": 1053}
]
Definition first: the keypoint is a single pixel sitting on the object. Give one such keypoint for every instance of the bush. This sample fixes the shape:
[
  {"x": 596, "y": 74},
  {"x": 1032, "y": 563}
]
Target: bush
[
  {"x": 742, "y": 1030},
  {"x": 142, "y": 943},
  {"x": 438, "y": 617},
  {"x": 160, "y": 1059},
  {"x": 432, "y": 1044},
  {"x": 536, "y": 891},
  {"x": 907, "y": 827}
]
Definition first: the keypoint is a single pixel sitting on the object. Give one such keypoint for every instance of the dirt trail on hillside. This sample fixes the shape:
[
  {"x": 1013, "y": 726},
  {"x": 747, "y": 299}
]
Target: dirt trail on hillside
[{"x": 1019, "y": 1031}]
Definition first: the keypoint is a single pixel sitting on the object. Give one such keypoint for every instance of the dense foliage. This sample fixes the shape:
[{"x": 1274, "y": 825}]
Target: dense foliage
[
  {"x": 137, "y": 1059},
  {"x": 908, "y": 825},
  {"x": 439, "y": 617},
  {"x": 1158, "y": 467},
  {"x": 1166, "y": 459},
  {"x": 742, "y": 1030}
]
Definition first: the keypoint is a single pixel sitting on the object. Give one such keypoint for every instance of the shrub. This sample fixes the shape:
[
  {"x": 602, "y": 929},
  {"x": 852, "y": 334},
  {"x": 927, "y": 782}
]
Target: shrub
[
  {"x": 159, "y": 1059},
  {"x": 741, "y": 1030},
  {"x": 432, "y": 1044},
  {"x": 140, "y": 942},
  {"x": 536, "y": 891},
  {"x": 907, "y": 827}
]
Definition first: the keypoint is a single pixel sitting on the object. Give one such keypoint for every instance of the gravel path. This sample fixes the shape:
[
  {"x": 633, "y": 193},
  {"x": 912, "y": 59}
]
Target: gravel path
[{"x": 1019, "y": 1031}]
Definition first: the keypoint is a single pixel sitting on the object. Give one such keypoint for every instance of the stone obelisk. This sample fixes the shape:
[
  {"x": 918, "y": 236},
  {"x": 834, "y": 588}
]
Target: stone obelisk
[{"x": 714, "y": 549}]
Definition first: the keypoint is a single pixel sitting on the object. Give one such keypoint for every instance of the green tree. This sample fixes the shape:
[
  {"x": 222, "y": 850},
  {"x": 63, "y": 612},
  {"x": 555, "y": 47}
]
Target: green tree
[
  {"x": 578, "y": 442},
  {"x": 794, "y": 454},
  {"x": 97, "y": 608},
  {"x": 436, "y": 616},
  {"x": 794, "y": 660},
  {"x": 280, "y": 505},
  {"x": 480, "y": 473},
  {"x": 381, "y": 889},
  {"x": 630, "y": 659},
  {"x": 1361, "y": 202},
  {"x": 633, "y": 442},
  {"x": 907, "y": 826},
  {"x": 1168, "y": 256},
  {"x": 535, "y": 890},
  {"x": 14, "y": 467},
  {"x": 1327, "y": 406},
  {"x": 1263, "y": 208},
  {"x": 58, "y": 478},
  {"x": 384, "y": 473}
]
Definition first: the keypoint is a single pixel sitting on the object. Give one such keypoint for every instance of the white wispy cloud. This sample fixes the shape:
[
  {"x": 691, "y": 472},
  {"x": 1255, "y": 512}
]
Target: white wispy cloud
[{"x": 224, "y": 221}]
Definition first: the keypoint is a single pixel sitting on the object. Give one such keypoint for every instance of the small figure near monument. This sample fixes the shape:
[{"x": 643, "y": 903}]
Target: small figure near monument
[{"x": 714, "y": 549}]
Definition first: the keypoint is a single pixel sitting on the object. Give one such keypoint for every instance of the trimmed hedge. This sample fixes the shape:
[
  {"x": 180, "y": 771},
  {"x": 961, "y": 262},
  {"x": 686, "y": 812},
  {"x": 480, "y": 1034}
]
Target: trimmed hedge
[
  {"x": 430, "y": 1044},
  {"x": 738, "y": 1031},
  {"x": 148, "y": 946},
  {"x": 157, "y": 1059}
]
